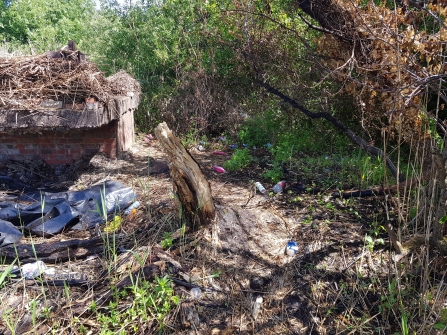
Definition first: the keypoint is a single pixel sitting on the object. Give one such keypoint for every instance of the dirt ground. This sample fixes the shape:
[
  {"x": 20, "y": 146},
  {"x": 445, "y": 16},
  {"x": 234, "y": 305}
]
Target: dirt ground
[{"x": 333, "y": 285}]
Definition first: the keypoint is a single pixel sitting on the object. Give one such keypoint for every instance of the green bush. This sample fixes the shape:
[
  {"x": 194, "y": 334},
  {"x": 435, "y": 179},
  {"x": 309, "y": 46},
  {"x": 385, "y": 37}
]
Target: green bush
[
  {"x": 261, "y": 129},
  {"x": 240, "y": 159},
  {"x": 275, "y": 174}
]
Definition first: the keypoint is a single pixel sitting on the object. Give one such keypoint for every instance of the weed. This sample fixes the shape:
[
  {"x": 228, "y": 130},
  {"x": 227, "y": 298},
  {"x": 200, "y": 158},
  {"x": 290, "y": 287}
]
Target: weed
[
  {"x": 275, "y": 174},
  {"x": 150, "y": 301},
  {"x": 442, "y": 323},
  {"x": 166, "y": 242},
  {"x": 6, "y": 274},
  {"x": 240, "y": 159}
]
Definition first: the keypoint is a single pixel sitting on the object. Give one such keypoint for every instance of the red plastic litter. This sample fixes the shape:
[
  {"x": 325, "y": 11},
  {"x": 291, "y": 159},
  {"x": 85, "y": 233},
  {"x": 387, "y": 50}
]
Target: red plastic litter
[{"x": 221, "y": 153}]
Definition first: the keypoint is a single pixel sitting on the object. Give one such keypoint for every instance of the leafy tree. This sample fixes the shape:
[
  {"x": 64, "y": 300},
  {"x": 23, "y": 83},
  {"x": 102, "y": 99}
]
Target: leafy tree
[{"x": 48, "y": 25}]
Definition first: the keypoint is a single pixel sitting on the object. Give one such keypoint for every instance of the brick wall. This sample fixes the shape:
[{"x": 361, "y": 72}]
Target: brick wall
[{"x": 59, "y": 147}]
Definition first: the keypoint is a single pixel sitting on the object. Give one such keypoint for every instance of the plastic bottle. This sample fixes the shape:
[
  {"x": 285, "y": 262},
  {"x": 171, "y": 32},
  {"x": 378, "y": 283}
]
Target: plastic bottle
[
  {"x": 135, "y": 205},
  {"x": 291, "y": 248},
  {"x": 278, "y": 188},
  {"x": 218, "y": 169},
  {"x": 260, "y": 187}
]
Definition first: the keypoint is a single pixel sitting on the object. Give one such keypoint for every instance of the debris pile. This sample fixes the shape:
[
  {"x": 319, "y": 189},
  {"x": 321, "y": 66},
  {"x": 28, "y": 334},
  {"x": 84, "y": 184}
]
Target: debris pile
[
  {"x": 48, "y": 213},
  {"x": 62, "y": 79}
]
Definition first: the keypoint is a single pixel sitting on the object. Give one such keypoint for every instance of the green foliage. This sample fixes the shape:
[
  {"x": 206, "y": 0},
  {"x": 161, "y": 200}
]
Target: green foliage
[
  {"x": 261, "y": 128},
  {"x": 167, "y": 240},
  {"x": 48, "y": 25},
  {"x": 158, "y": 44},
  {"x": 275, "y": 174},
  {"x": 6, "y": 274},
  {"x": 240, "y": 159},
  {"x": 442, "y": 323},
  {"x": 149, "y": 301}
]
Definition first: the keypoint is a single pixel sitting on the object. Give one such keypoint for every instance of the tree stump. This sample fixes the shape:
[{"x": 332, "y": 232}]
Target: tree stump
[{"x": 190, "y": 185}]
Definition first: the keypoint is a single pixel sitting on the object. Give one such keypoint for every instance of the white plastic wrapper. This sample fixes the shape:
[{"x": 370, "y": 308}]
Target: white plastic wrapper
[
  {"x": 33, "y": 270},
  {"x": 196, "y": 293}
]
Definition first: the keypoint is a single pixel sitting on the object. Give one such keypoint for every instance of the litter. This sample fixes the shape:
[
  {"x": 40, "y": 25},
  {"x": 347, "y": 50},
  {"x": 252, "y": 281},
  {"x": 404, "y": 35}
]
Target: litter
[
  {"x": 260, "y": 187},
  {"x": 196, "y": 293},
  {"x": 33, "y": 270},
  {"x": 279, "y": 187},
  {"x": 218, "y": 169},
  {"x": 129, "y": 209},
  {"x": 51, "y": 213},
  {"x": 291, "y": 248}
]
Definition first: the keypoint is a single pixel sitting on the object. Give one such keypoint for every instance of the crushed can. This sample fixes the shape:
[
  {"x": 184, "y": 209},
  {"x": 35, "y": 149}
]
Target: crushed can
[{"x": 291, "y": 248}]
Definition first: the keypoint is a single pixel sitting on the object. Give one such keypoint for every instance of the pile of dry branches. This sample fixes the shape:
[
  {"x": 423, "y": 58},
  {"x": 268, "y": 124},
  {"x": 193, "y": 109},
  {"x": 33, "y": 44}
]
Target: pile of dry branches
[{"x": 28, "y": 80}]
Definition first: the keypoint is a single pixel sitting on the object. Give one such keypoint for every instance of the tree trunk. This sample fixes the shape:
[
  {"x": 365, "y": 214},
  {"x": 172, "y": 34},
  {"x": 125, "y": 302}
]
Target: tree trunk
[{"x": 190, "y": 185}]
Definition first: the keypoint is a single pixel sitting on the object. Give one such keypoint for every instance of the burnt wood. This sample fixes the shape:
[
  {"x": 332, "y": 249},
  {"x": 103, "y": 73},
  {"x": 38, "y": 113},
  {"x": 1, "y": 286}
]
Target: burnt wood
[{"x": 54, "y": 251}]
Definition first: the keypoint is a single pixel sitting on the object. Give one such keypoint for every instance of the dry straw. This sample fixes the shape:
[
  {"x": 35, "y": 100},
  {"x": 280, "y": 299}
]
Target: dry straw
[{"x": 26, "y": 81}]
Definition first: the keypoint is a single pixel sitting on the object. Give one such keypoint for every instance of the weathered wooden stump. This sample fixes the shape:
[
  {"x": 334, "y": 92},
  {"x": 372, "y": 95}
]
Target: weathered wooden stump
[{"x": 190, "y": 185}]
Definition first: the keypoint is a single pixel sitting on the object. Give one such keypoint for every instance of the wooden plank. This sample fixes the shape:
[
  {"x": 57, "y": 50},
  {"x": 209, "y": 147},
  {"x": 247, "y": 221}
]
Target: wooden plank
[{"x": 53, "y": 252}]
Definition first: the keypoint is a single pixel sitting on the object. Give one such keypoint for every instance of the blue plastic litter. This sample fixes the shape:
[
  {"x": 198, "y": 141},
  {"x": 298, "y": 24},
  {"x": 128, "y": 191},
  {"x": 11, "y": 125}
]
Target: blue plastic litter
[{"x": 9, "y": 233}]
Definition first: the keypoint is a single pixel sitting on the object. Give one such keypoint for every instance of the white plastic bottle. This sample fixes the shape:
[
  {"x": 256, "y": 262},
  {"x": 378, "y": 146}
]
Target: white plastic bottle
[{"x": 260, "y": 187}]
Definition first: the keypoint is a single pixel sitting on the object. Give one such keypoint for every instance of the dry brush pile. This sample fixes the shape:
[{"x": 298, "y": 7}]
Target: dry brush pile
[
  {"x": 394, "y": 67},
  {"x": 26, "y": 81}
]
